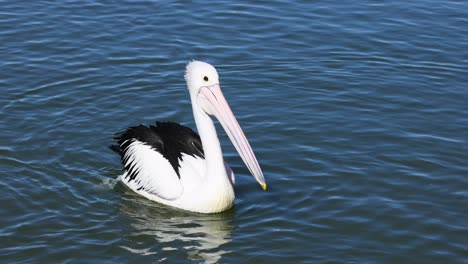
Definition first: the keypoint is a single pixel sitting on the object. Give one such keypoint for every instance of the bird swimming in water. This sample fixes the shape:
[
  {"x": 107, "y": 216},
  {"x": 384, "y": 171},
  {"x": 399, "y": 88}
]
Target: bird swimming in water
[{"x": 171, "y": 164}]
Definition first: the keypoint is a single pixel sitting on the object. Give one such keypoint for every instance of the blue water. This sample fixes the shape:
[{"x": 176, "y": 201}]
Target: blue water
[{"x": 357, "y": 112}]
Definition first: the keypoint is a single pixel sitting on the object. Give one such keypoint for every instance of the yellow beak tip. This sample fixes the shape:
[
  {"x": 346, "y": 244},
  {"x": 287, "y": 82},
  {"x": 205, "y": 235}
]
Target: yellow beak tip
[{"x": 264, "y": 186}]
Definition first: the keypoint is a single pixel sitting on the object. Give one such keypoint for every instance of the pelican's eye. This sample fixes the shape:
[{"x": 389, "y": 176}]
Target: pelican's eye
[{"x": 205, "y": 78}]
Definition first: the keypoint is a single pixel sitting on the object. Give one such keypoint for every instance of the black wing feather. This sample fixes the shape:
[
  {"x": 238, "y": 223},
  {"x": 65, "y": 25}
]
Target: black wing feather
[{"x": 168, "y": 138}]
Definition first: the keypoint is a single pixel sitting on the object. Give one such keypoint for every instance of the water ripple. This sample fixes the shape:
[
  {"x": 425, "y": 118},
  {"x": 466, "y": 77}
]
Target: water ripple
[{"x": 355, "y": 111}]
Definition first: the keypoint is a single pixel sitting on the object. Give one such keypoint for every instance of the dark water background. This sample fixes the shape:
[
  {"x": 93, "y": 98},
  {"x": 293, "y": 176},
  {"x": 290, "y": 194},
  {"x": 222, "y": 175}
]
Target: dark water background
[{"x": 357, "y": 110}]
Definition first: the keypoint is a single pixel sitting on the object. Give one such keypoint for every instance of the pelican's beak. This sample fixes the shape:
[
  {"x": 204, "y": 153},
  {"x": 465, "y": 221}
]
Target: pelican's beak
[{"x": 213, "y": 103}]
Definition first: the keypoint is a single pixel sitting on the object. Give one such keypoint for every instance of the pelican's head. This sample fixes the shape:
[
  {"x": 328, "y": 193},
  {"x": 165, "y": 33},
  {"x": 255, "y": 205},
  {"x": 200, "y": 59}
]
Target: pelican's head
[
  {"x": 203, "y": 84},
  {"x": 199, "y": 74}
]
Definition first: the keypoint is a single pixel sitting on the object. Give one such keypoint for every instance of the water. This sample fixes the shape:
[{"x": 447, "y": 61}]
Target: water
[{"x": 357, "y": 112}]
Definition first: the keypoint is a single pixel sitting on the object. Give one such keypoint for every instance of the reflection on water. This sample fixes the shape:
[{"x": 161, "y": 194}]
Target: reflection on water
[{"x": 199, "y": 236}]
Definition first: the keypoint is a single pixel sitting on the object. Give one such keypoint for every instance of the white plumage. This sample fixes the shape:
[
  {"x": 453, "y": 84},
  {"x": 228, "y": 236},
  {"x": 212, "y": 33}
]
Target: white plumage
[{"x": 146, "y": 162}]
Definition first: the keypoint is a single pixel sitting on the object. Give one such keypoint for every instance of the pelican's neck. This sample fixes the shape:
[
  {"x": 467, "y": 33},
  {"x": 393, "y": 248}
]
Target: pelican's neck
[{"x": 211, "y": 146}]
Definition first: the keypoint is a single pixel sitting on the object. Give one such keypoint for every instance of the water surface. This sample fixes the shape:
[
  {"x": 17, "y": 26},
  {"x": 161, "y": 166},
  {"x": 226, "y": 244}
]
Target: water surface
[{"x": 357, "y": 113}]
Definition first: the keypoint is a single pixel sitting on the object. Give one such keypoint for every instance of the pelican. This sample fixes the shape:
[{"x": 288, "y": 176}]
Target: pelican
[{"x": 171, "y": 164}]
